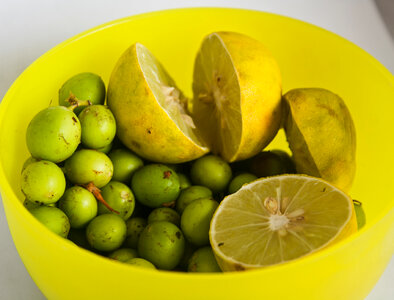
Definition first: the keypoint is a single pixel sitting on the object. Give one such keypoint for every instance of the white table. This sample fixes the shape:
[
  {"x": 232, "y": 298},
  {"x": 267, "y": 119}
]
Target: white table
[{"x": 30, "y": 28}]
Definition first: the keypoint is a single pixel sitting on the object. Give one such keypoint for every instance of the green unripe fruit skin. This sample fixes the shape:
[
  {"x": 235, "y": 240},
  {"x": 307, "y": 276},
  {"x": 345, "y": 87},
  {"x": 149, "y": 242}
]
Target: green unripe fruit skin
[
  {"x": 30, "y": 205},
  {"x": 106, "y": 149},
  {"x": 203, "y": 260},
  {"x": 84, "y": 86},
  {"x": 125, "y": 164},
  {"x": 196, "y": 219},
  {"x": 164, "y": 214},
  {"x": 79, "y": 205},
  {"x": 269, "y": 163},
  {"x": 43, "y": 182},
  {"x": 134, "y": 228},
  {"x": 162, "y": 243},
  {"x": 29, "y": 161},
  {"x": 88, "y": 165},
  {"x": 155, "y": 185},
  {"x": 119, "y": 197},
  {"x": 98, "y": 126},
  {"x": 184, "y": 181},
  {"x": 140, "y": 262},
  {"x": 106, "y": 232},
  {"x": 78, "y": 237},
  {"x": 53, "y": 134},
  {"x": 238, "y": 181},
  {"x": 190, "y": 194},
  {"x": 53, "y": 218},
  {"x": 187, "y": 254},
  {"x": 123, "y": 254},
  {"x": 211, "y": 171},
  {"x": 287, "y": 161}
]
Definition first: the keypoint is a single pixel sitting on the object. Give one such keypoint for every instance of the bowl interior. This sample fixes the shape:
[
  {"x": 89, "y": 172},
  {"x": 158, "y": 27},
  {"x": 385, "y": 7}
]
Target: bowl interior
[{"x": 308, "y": 57}]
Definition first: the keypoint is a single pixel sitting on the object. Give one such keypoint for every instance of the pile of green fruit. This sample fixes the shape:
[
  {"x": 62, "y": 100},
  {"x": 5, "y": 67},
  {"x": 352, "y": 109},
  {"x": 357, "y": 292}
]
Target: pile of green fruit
[{"x": 83, "y": 184}]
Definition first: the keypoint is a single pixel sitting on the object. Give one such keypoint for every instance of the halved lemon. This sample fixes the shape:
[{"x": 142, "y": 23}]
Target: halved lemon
[
  {"x": 237, "y": 93},
  {"x": 150, "y": 111},
  {"x": 278, "y": 219}
]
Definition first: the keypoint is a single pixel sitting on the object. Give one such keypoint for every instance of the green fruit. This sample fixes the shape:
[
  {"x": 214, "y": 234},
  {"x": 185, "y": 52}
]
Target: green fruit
[
  {"x": 28, "y": 161},
  {"x": 360, "y": 214},
  {"x": 79, "y": 205},
  {"x": 88, "y": 165},
  {"x": 123, "y": 254},
  {"x": 43, "y": 182},
  {"x": 125, "y": 164},
  {"x": 184, "y": 181},
  {"x": 119, "y": 197},
  {"x": 140, "y": 262},
  {"x": 211, "y": 171},
  {"x": 106, "y": 232},
  {"x": 269, "y": 163},
  {"x": 203, "y": 260},
  {"x": 196, "y": 219},
  {"x": 78, "y": 237},
  {"x": 105, "y": 149},
  {"x": 53, "y": 218},
  {"x": 189, "y": 194},
  {"x": 238, "y": 181},
  {"x": 164, "y": 214},
  {"x": 134, "y": 228},
  {"x": 98, "y": 126},
  {"x": 83, "y": 86},
  {"x": 187, "y": 254},
  {"x": 155, "y": 185},
  {"x": 162, "y": 243},
  {"x": 30, "y": 205},
  {"x": 287, "y": 161},
  {"x": 53, "y": 134}
]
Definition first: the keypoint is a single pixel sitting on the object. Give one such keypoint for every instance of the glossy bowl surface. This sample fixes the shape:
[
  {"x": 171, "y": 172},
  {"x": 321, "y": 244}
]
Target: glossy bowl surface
[{"x": 308, "y": 57}]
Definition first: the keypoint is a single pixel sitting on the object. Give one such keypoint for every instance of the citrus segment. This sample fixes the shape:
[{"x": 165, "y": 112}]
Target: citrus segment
[
  {"x": 151, "y": 112},
  {"x": 277, "y": 219},
  {"x": 237, "y": 90}
]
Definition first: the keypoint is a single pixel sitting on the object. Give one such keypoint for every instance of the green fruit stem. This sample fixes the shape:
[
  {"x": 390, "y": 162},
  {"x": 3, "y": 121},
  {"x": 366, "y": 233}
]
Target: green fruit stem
[
  {"x": 97, "y": 194},
  {"x": 75, "y": 102}
]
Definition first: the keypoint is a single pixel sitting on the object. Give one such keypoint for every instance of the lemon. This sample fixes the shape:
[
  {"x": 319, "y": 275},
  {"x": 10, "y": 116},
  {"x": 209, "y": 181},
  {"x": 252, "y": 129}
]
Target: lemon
[
  {"x": 151, "y": 112},
  {"x": 237, "y": 92},
  {"x": 278, "y": 219},
  {"x": 321, "y": 135}
]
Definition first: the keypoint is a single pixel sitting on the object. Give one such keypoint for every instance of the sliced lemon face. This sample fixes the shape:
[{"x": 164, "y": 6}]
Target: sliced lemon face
[
  {"x": 151, "y": 112},
  {"x": 237, "y": 91},
  {"x": 278, "y": 219}
]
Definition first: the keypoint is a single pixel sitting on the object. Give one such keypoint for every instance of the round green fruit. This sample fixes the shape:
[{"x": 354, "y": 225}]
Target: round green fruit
[
  {"x": 53, "y": 218},
  {"x": 53, "y": 134},
  {"x": 155, "y": 185},
  {"x": 162, "y": 243}
]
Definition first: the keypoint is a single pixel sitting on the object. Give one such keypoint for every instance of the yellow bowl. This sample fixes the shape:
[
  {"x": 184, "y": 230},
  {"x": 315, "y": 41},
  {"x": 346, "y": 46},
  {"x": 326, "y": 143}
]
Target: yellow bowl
[{"x": 308, "y": 57}]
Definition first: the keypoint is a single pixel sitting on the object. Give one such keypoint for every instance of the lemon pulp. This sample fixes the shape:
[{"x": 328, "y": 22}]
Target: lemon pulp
[
  {"x": 237, "y": 92},
  {"x": 167, "y": 94},
  {"x": 278, "y": 219}
]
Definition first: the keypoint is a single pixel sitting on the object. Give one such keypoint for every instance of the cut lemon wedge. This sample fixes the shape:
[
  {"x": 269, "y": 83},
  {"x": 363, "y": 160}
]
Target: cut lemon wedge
[
  {"x": 151, "y": 112},
  {"x": 237, "y": 92},
  {"x": 278, "y": 219}
]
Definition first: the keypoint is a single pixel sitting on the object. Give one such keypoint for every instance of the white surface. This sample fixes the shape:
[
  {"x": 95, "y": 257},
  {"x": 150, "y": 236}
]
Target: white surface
[{"x": 30, "y": 28}]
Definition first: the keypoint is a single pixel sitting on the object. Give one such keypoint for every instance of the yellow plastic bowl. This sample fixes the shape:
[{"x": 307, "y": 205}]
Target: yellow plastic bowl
[{"x": 308, "y": 57}]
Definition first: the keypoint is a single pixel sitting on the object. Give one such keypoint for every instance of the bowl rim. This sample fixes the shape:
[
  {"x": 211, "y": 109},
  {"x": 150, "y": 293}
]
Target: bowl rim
[{"x": 12, "y": 198}]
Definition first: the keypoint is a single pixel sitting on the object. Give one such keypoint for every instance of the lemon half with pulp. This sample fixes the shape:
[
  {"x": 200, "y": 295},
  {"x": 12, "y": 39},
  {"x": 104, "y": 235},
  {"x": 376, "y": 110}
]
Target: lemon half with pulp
[
  {"x": 278, "y": 219},
  {"x": 151, "y": 112},
  {"x": 237, "y": 92}
]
